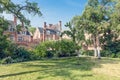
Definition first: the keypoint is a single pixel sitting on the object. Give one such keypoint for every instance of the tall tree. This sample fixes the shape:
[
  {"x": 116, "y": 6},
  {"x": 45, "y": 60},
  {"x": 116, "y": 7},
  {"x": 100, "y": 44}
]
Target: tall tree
[
  {"x": 71, "y": 32},
  {"x": 110, "y": 38},
  {"x": 95, "y": 16},
  {"x": 75, "y": 31},
  {"x": 15, "y": 9}
]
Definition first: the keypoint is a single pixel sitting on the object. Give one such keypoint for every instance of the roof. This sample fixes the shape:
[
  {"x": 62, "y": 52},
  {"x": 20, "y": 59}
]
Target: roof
[
  {"x": 27, "y": 33},
  {"x": 52, "y": 31}
]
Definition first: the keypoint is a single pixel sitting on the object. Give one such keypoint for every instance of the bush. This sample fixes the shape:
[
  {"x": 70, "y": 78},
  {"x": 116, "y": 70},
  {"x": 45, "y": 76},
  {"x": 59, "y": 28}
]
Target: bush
[
  {"x": 118, "y": 55},
  {"x": 65, "y": 48},
  {"x": 113, "y": 55},
  {"x": 113, "y": 47},
  {"x": 88, "y": 53},
  {"x": 105, "y": 53},
  {"x": 40, "y": 51},
  {"x": 49, "y": 54},
  {"x": 18, "y": 60},
  {"x": 22, "y": 54},
  {"x": 61, "y": 48},
  {"x": 7, "y": 48},
  {"x": 7, "y": 60}
]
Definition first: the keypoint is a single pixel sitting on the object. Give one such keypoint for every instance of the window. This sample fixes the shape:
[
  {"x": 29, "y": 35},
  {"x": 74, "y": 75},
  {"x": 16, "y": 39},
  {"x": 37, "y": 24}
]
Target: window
[
  {"x": 58, "y": 33},
  {"x": 20, "y": 39},
  {"x": 11, "y": 37},
  {"x": 11, "y": 29},
  {"x": 48, "y": 32},
  {"x": 24, "y": 32}
]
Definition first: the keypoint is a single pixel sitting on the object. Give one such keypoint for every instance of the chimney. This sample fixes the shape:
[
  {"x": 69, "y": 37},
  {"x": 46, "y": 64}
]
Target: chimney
[
  {"x": 50, "y": 25},
  {"x": 31, "y": 39},
  {"x": 15, "y": 20},
  {"x": 45, "y": 25},
  {"x": 60, "y": 24},
  {"x": 22, "y": 24},
  {"x": 44, "y": 31}
]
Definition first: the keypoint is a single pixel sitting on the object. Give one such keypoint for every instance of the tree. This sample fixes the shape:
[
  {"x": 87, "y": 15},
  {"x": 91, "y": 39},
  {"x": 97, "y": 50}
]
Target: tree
[
  {"x": 71, "y": 32},
  {"x": 75, "y": 31},
  {"x": 32, "y": 29},
  {"x": 95, "y": 16},
  {"x": 4, "y": 43},
  {"x": 110, "y": 38},
  {"x": 15, "y": 9}
]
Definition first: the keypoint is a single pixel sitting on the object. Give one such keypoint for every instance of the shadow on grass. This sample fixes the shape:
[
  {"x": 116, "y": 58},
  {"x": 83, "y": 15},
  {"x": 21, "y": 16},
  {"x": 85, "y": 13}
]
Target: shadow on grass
[
  {"x": 62, "y": 67},
  {"x": 22, "y": 73}
]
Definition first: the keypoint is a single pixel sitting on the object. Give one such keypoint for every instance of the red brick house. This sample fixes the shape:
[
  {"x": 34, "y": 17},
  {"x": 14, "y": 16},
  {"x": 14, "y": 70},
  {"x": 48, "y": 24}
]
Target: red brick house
[
  {"x": 48, "y": 32},
  {"x": 22, "y": 37}
]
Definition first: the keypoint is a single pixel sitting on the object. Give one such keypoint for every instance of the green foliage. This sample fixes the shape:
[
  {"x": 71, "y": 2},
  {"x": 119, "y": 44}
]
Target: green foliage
[
  {"x": 17, "y": 9},
  {"x": 71, "y": 32},
  {"x": 3, "y": 38},
  {"x": 105, "y": 53},
  {"x": 40, "y": 50},
  {"x": 88, "y": 53},
  {"x": 75, "y": 31},
  {"x": 3, "y": 47},
  {"x": 7, "y": 60},
  {"x": 118, "y": 54},
  {"x": 50, "y": 53},
  {"x": 114, "y": 46},
  {"x": 66, "y": 48},
  {"x": 108, "y": 53},
  {"x": 18, "y": 54},
  {"x": 6, "y": 47},
  {"x": 21, "y": 53},
  {"x": 61, "y": 48},
  {"x": 32, "y": 29},
  {"x": 101, "y": 17}
]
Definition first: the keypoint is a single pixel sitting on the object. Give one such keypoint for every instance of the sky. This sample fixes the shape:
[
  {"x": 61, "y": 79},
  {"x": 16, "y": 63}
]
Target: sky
[{"x": 53, "y": 11}]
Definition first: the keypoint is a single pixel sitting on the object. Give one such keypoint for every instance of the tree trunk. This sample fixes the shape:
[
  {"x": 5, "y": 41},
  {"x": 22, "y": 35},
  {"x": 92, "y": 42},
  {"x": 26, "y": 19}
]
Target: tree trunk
[
  {"x": 98, "y": 47},
  {"x": 95, "y": 52},
  {"x": 98, "y": 52},
  {"x": 95, "y": 46}
]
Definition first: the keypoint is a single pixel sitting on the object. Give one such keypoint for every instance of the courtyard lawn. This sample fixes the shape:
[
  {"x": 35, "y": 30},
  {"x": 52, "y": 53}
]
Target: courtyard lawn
[{"x": 63, "y": 69}]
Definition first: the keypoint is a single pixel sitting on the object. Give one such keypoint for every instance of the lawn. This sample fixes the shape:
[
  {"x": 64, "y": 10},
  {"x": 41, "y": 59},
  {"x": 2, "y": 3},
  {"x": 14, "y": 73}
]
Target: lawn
[{"x": 63, "y": 69}]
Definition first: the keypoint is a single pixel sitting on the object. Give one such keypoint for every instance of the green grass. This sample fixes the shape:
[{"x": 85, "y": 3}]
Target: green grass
[{"x": 63, "y": 69}]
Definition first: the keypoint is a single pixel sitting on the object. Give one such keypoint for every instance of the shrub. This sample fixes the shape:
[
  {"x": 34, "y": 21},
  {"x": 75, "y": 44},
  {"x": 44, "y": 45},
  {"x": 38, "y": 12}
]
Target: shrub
[
  {"x": 113, "y": 55},
  {"x": 40, "y": 50},
  {"x": 7, "y": 60},
  {"x": 65, "y": 48},
  {"x": 7, "y": 48},
  {"x": 49, "y": 54},
  {"x": 105, "y": 53},
  {"x": 113, "y": 47},
  {"x": 88, "y": 53},
  {"x": 18, "y": 60},
  {"x": 21, "y": 53},
  {"x": 118, "y": 55},
  {"x": 61, "y": 48}
]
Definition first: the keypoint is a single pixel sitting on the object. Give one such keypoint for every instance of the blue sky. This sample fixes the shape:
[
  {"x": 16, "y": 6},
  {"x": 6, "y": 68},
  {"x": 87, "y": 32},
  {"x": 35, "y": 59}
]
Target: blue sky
[{"x": 55, "y": 10}]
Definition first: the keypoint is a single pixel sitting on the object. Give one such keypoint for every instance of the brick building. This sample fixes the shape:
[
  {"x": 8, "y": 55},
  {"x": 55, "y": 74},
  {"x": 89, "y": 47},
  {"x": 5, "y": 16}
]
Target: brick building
[
  {"x": 48, "y": 32},
  {"x": 22, "y": 37}
]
